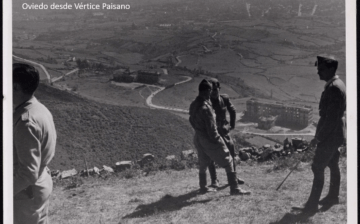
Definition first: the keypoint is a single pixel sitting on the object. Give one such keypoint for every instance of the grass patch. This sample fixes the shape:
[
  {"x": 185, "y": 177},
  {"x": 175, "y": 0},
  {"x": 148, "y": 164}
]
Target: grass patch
[{"x": 172, "y": 197}]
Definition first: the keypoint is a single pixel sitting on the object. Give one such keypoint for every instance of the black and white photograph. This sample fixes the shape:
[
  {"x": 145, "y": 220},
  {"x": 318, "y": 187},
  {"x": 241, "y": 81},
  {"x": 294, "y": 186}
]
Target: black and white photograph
[{"x": 179, "y": 111}]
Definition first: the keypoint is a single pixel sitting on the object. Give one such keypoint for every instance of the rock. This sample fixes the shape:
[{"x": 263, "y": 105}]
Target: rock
[
  {"x": 108, "y": 169},
  {"x": 278, "y": 148},
  {"x": 96, "y": 170},
  {"x": 123, "y": 165},
  {"x": 236, "y": 158},
  {"x": 248, "y": 149},
  {"x": 68, "y": 173},
  {"x": 276, "y": 154},
  {"x": 171, "y": 157},
  {"x": 91, "y": 171},
  {"x": 147, "y": 158},
  {"x": 296, "y": 142},
  {"x": 55, "y": 173},
  {"x": 287, "y": 144},
  {"x": 266, "y": 154},
  {"x": 244, "y": 155},
  {"x": 188, "y": 154}
]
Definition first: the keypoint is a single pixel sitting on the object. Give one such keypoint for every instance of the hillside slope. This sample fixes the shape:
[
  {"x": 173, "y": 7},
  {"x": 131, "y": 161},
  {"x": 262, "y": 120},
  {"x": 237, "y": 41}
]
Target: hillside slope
[
  {"x": 172, "y": 197},
  {"x": 105, "y": 134}
]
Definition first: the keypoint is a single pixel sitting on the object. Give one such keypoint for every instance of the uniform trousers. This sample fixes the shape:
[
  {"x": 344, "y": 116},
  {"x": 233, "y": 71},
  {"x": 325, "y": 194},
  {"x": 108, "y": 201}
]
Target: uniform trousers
[
  {"x": 212, "y": 151},
  {"x": 34, "y": 210},
  {"x": 326, "y": 155}
]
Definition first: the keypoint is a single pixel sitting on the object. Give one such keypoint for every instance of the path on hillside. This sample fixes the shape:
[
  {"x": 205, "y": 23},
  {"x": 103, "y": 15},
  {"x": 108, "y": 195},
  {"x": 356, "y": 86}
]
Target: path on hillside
[
  {"x": 35, "y": 63},
  {"x": 178, "y": 60},
  {"x": 60, "y": 77},
  {"x": 149, "y": 99},
  {"x": 45, "y": 71}
]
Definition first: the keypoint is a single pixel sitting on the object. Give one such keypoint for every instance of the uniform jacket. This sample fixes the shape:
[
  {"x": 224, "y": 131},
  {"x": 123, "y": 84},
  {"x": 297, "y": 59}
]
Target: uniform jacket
[
  {"x": 220, "y": 106},
  {"x": 202, "y": 119},
  {"x": 331, "y": 126},
  {"x": 34, "y": 137}
]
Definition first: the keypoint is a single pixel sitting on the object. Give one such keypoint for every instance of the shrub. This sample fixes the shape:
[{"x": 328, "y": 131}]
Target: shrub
[
  {"x": 192, "y": 162},
  {"x": 153, "y": 166},
  {"x": 75, "y": 182},
  {"x": 289, "y": 162},
  {"x": 130, "y": 173},
  {"x": 177, "y": 165}
]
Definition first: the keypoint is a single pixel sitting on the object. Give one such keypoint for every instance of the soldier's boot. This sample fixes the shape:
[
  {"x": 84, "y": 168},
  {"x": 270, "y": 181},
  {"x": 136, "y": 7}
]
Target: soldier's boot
[
  {"x": 239, "y": 180},
  {"x": 203, "y": 182},
  {"x": 311, "y": 206},
  {"x": 333, "y": 196},
  {"x": 234, "y": 187},
  {"x": 213, "y": 176}
]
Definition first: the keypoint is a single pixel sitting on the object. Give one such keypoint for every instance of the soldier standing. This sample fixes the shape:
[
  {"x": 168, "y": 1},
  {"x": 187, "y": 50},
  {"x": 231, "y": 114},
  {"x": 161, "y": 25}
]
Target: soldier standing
[
  {"x": 330, "y": 135},
  {"x": 221, "y": 103},
  {"x": 34, "y": 139},
  {"x": 208, "y": 142}
]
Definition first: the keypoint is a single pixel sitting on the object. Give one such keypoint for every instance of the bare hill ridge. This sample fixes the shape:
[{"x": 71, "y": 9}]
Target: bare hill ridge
[{"x": 105, "y": 134}]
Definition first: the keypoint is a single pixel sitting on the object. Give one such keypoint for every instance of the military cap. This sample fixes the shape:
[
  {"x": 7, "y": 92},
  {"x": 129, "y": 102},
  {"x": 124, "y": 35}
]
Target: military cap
[
  {"x": 328, "y": 60},
  {"x": 204, "y": 85},
  {"x": 215, "y": 82}
]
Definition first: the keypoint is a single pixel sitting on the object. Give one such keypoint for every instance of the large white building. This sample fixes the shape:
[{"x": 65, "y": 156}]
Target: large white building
[{"x": 288, "y": 114}]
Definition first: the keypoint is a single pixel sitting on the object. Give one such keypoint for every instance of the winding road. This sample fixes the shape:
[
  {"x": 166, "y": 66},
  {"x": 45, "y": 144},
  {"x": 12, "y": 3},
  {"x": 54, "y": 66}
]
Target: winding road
[
  {"x": 35, "y": 63},
  {"x": 44, "y": 69},
  {"x": 60, "y": 77},
  {"x": 149, "y": 99}
]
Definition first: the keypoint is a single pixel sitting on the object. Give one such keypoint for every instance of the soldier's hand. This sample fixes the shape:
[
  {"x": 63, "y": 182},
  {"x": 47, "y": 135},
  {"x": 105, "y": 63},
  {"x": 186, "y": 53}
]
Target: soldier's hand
[{"x": 313, "y": 142}]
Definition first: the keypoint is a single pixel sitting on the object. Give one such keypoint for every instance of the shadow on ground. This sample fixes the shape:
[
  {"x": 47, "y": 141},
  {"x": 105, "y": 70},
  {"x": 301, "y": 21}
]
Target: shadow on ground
[
  {"x": 290, "y": 218},
  {"x": 165, "y": 204}
]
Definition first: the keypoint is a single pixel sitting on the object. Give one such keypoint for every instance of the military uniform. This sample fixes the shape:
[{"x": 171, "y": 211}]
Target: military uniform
[
  {"x": 208, "y": 142},
  {"x": 220, "y": 106},
  {"x": 34, "y": 137},
  {"x": 330, "y": 134}
]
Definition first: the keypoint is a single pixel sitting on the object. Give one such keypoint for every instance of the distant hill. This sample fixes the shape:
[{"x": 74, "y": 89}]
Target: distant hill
[{"x": 105, "y": 134}]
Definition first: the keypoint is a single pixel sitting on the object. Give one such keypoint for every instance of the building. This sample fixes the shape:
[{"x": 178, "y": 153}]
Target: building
[
  {"x": 123, "y": 75},
  {"x": 267, "y": 122},
  {"x": 148, "y": 77},
  {"x": 287, "y": 114},
  {"x": 124, "y": 78}
]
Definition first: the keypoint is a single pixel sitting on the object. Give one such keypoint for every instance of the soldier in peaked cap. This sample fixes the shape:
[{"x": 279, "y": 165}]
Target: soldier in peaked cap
[
  {"x": 221, "y": 104},
  {"x": 330, "y": 135},
  {"x": 34, "y": 137},
  {"x": 208, "y": 142}
]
